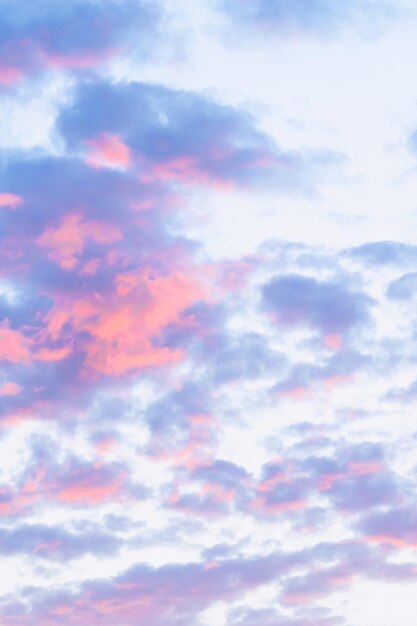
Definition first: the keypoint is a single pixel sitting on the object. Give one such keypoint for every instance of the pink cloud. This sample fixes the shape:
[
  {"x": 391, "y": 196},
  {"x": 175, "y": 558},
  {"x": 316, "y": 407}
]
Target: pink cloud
[
  {"x": 17, "y": 348},
  {"x": 218, "y": 492},
  {"x": 362, "y": 468},
  {"x": 72, "y": 485},
  {"x": 89, "y": 494},
  {"x": 47, "y": 547},
  {"x": 330, "y": 382},
  {"x": 106, "y": 444},
  {"x": 10, "y": 200},
  {"x": 67, "y": 241},
  {"x": 296, "y": 393},
  {"x": 51, "y": 356},
  {"x": 76, "y": 60},
  {"x": 333, "y": 341},
  {"x": 122, "y": 328},
  {"x": 278, "y": 507},
  {"x": 33, "y": 484},
  {"x": 10, "y": 389},
  {"x": 267, "y": 485},
  {"x": 188, "y": 170},
  {"x": 62, "y": 609},
  {"x": 327, "y": 480},
  {"x": 302, "y": 598},
  {"x": 9, "y": 75},
  {"x": 14, "y": 347},
  {"x": 393, "y": 541},
  {"x": 108, "y": 151},
  {"x": 15, "y": 503},
  {"x": 91, "y": 267}
]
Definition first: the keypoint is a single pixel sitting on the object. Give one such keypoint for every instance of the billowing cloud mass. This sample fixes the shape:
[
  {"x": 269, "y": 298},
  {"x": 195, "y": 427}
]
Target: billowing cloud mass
[{"x": 190, "y": 438}]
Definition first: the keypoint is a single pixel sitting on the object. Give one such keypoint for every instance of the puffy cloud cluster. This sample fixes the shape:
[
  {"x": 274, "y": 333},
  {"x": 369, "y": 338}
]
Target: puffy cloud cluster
[{"x": 185, "y": 437}]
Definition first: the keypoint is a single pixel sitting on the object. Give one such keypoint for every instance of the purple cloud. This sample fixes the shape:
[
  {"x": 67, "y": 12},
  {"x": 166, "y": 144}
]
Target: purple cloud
[
  {"x": 71, "y": 35},
  {"x": 331, "y": 307},
  {"x": 183, "y": 137}
]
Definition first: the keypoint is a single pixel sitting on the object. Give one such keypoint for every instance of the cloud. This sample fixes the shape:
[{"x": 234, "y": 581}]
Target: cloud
[
  {"x": 71, "y": 482},
  {"x": 229, "y": 356},
  {"x": 78, "y": 282},
  {"x": 314, "y": 18},
  {"x": 403, "y": 288},
  {"x": 247, "y": 616},
  {"x": 395, "y": 527},
  {"x": 328, "y": 306},
  {"x": 169, "y": 421},
  {"x": 219, "y": 488},
  {"x": 78, "y": 221},
  {"x": 384, "y": 253},
  {"x": 49, "y": 542},
  {"x": 184, "y": 484},
  {"x": 183, "y": 137},
  {"x": 177, "y": 593},
  {"x": 174, "y": 592},
  {"x": 71, "y": 35}
]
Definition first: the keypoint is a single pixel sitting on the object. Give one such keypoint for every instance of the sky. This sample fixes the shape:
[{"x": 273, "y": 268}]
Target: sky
[{"x": 208, "y": 327}]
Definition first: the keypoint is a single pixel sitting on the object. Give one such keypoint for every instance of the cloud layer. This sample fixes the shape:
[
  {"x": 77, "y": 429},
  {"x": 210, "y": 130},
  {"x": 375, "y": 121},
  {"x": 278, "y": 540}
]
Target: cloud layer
[{"x": 189, "y": 439}]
